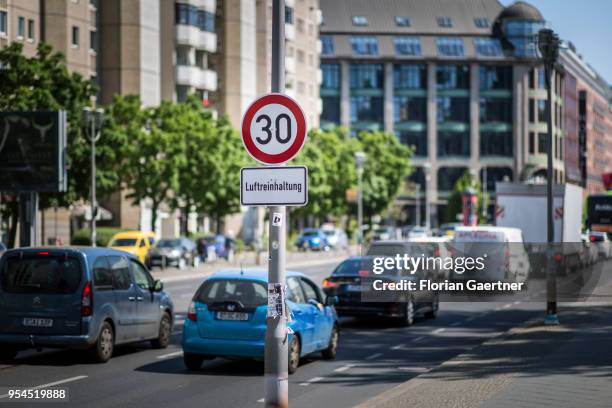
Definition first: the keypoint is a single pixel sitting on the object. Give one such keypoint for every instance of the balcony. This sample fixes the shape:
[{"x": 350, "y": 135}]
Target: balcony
[
  {"x": 290, "y": 65},
  {"x": 196, "y": 77},
  {"x": 194, "y": 37},
  {"x": 208, "y": 5},
  {"x": 289, "y": 32}
]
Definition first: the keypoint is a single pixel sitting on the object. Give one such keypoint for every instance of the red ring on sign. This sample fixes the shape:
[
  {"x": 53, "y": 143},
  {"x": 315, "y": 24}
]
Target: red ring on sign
[{"x": 298, "y": 114}]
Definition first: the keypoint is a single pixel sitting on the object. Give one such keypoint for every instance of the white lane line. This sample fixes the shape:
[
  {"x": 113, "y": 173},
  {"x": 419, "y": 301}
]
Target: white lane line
[
  {"x": 455, "y": 324},
  {"x": 344, "y": 368},
  {"x": 52, "y": 384},
  {"x": 373, "y": 356},
  {"x": 261, "y": 400},
  {"x": 506, "y": 306},
  {"x": 414, "y": 369},
  {"x": 176, "y": 353},
  {"x": 440, "y": 330},
  {"x": 312, "y": 380},
  {"x": 418, "y": 338},
  {"x": 398, "y": 347},
  {"x": 518, "y": 302}
]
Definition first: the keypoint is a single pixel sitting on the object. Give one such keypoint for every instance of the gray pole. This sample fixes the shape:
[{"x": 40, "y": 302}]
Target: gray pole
[
  {"x": 417, "y": 220},
  {"x": 485, "y": 194},
  {"x": 276, "y": 347},
  {"x": 551, "y": 277},
  {"x": 360, "y": 209},
  {"x": 92, "y": 136},
  {"x": 427, "y": 169}
]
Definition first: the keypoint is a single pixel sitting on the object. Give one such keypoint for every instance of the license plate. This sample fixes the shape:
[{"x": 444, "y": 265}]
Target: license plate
[
  {"x": 353, "y": 288},
  {"x": 37, "y": 322},
  {"x": 232, "y": 316}
]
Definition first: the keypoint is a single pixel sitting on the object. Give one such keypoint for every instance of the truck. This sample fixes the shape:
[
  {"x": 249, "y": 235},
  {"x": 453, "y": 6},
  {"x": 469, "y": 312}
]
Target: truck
[{"x": 524, "y": 206}]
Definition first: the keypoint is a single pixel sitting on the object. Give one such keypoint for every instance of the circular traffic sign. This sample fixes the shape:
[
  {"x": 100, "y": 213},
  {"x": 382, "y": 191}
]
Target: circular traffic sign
[{"x": 273, "y": 129}]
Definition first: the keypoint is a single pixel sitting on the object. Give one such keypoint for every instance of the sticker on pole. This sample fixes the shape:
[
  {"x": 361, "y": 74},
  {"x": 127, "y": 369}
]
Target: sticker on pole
[{"x": 273, "y": 129}]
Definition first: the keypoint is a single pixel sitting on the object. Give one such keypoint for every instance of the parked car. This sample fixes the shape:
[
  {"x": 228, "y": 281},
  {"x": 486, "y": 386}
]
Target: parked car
[
  {"x": 415, "y": 232},
  {"x": 178, "y": 252},
  {"x": 227, "y": 318},
  {"x": 82, "y": 298},
  {"x": 212, "y": 247},
  {"x": 312, "y": 239},
  {"x": 336, "y": 238},
  {"x": 384, "y": 234},
  {"x": 604, "y": 245},
  {"x": 590, "y": 251},
  {"x": 448, "y": 229},
  {"x": 350, "y": 279},
  {"x": 137, "y": 243}
]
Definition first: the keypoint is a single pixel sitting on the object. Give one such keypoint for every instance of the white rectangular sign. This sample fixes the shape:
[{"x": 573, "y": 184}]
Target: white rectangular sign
[{"x": 263, "y": 186}]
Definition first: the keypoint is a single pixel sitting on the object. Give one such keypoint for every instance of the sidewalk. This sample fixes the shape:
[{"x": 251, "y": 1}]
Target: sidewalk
[
  {"x": 248, "y": 260},
  {"x": 529, "y": 366}
]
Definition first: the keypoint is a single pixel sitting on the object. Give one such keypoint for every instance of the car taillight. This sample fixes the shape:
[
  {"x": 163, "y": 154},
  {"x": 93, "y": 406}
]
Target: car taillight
[
  {"x": 329, "y": 284},
  {"x": 87, "y": 301},
  {"x": 592, "y": 238},
  {"x": 191, "y": 312},
  {"x": 558, "y": 257}
]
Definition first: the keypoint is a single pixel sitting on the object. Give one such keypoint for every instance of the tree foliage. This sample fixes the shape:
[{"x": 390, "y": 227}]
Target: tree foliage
[{"x": 455, "y": 201}]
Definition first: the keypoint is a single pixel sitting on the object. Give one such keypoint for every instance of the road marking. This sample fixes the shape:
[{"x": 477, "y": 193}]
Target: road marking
[
  {"x": 507, "y": 305},
  {"x": 312, "y": 380},
  {"x": 440, "y": 330},
  {"x": 64, "y": 381},
  {"x": 518, "y": 302},
  {"x": 398, "y": 347},
  {"x": 455, "y": 324},
  {"x": 418, "y": 338},
  {"x": 344, "y": 368},
  {"x": 176, "y": 353},
  {"x": 414, "y": 369},
  {"x": 373, "y": 356},
  {"x": 469, "y": 319},
  {"x": 261, "y": 400}
]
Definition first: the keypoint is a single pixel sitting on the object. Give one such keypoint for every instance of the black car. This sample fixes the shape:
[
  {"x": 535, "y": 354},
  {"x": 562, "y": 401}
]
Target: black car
[
  {"x": 179, "y": 252},
  {"x": 352, "y": 282},
  {"x": 2, "y": 248}
]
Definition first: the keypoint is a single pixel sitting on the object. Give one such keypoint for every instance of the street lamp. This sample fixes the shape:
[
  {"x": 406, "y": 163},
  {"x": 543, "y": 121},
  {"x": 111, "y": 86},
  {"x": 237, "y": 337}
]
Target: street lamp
[
  {"x": 548, "y": 44},
  {"x": 92, "y": 120},
  {"x": 360, "y": 159},
  {"x": 427, "y": 170}
]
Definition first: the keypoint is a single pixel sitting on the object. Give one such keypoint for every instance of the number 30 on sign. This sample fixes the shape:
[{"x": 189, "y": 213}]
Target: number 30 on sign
[{"x": 273, "y": 129}]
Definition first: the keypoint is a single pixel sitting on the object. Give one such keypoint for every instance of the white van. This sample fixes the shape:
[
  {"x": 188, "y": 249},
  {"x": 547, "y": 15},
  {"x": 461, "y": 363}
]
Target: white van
[
  {"x": 506, "y": 259},
  {"x": 439, "y": 247}
]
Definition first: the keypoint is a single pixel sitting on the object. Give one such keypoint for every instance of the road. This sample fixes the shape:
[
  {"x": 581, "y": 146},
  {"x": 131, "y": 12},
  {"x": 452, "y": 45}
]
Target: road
[{"x": 373, "y": 356}]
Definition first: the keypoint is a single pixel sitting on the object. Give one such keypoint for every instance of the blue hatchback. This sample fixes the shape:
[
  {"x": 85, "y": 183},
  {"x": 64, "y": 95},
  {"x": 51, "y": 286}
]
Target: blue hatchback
[
  {"x": 313, "y": 239},
  {"x": 227, "y": 318}
]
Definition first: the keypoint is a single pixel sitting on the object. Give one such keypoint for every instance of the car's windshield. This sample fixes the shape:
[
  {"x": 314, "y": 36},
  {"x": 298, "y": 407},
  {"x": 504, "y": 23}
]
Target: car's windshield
[
  {"x": 329, "y": 233},
  {"x": 248, "y": 293},
  {"x": 169, "y": 243},
  {"x": 41, "y": 274},
  {"x": 123, "y": 242},
  {"x": 310, "y": 233}
]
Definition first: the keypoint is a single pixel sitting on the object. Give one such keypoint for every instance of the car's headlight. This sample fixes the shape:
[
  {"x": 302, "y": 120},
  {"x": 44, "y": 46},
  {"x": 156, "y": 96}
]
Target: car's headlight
[{"x": 175, "y": 253}]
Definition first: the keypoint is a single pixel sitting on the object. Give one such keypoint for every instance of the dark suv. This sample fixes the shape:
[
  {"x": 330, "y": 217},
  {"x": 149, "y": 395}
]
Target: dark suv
[
  {"x": 178, "y": 252},
  {"x": 87, "y": 298}
]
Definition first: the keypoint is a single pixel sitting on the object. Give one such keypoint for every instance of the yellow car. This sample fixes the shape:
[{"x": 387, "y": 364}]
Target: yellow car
[{"x": 135, "y": 242}]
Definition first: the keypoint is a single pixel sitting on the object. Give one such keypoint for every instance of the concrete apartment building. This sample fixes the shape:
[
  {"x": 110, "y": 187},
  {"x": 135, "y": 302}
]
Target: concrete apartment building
[
  {"x": 457, "y": 79},
  {"x": 588, "y": 123}
]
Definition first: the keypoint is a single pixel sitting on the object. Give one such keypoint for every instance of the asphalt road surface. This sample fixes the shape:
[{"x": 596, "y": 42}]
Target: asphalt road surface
[{"x": 373, "y": 356}]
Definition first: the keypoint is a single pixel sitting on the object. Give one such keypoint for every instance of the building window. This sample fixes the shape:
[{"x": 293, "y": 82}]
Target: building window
[
  {"x": 418, "y": 140},
  {"x": 531, "y": 80},
  {"x": 450, "y": 47},
  {"x": 531, "y": 143},
  {"x": 542, "y": 137},
  {"x": 481, "y": 22},
  {"x": 182, "y": 92},
  {"x": 445, "y": 22},
  {"x": 366, "y": 76},
  {"x": 367, "y": 109},
  {"x": 453, "y": 109},
  {"x": 330, "y": 114},
  {"x": 187, "y": 14},
  {"x": 495, "y": 175},
  {"x": 21, "y": 27},
  {"x": 448, "y": 176},
  {"x": 496, "y": 144},
  {"x": 30, "y": 29},
  {"x": 407, "y": 46},
  {"x": 488, "y": 47},
  {"x": 541, "y": 110},
  {"x": 409, "y": 108},
  {"x": 541, "y": 78},
  {"x": 452, "y": 77},
  {"x": 206, "y": 21},
  {"x": 495, "y": 77},
  {"x": 531, "y": 110},
  {"x": 301, "y": 56},
  {"x": 75, "y": 36},
  {"x": 498, "y": 110},
  {"x": 364, "y": 45},
  {"x": 360, "y": 21},
  {"x": 522, "y": 35},
  {"x": 331, "y": 76},
  {"x": 3, "y": 24},
  {"x": 93, "y": 40},
  {"x": 409, "y": 76},
  {"x": 327, "y": 45},
  {"x": 288, "y": 15},
  {"x": 402, "y": 21}
]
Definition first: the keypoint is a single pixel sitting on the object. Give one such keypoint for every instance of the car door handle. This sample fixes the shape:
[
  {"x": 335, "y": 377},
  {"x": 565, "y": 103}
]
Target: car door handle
[{"x": 131, "y": 298}]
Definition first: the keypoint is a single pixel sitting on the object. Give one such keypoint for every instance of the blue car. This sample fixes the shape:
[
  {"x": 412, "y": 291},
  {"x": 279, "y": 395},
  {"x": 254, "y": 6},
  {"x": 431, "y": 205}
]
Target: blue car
[
  {"x": 227, "y": 318},
  {"x": 81, "y": 298},
  {"x": 313, "y": 239}
]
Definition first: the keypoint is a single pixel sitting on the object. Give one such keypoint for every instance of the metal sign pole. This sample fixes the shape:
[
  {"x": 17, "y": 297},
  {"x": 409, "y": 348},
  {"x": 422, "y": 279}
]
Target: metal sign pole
[{"x": 276, "y": 347}]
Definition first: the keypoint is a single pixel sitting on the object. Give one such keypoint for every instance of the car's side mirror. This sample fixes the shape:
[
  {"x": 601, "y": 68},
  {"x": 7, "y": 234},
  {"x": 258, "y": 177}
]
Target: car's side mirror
[
  {"x": 158, "y": 286},
  {"x": 331, "y": 300}
]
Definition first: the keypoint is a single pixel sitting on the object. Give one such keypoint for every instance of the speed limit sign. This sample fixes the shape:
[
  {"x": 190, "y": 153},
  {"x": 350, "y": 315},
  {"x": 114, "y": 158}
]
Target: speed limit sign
[{"x": 273, "y": 129}]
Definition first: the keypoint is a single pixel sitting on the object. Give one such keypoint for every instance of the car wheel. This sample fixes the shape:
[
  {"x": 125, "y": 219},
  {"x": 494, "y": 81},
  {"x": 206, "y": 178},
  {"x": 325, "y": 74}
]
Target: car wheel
[
  {"x": 435, "y": 305},
  {"x": 330, "y": 352},
  {"x": 407, "y": 318},
  {"x": 8, "y": 353},
  {"x": 165, "y": 331},
  {"x": 294, "y": 354},
  {"x": 103, "y": 349},
  {"x": 193, "y": 361}
]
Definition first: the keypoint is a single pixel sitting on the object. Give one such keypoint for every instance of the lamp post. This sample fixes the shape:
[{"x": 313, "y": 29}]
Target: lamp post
[
  {"x": 360, "y": 159},
  {"x": 548, "y": 44},
  {"x": 92, "y": 120},
  {"x": 427, "y": 170}
]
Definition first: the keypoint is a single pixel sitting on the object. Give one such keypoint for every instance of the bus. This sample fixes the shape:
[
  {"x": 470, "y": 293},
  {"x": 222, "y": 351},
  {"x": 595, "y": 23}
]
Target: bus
[{"x": 599, "y": 212}]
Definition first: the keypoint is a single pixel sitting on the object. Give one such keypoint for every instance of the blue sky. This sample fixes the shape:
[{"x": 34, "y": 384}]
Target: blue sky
[{"x": 586, "y": 23}]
